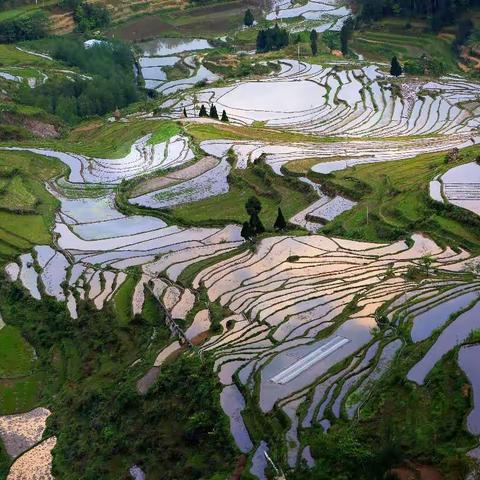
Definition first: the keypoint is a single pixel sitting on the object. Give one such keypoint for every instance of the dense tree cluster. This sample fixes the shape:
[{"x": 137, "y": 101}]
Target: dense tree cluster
[
  {"x": 425, "y": 66},
  {"x": 111, "y": 83},
  {"x": 88, "y": 16},
  {"x": 25, "y": 27},
  {"x": 272, "y": 39},
  {"x": 177, "y": 428},
  {"x": 439, "y": 12},
  {"x": 463, "y": 33},
  {"x": 213, "y": 113}
]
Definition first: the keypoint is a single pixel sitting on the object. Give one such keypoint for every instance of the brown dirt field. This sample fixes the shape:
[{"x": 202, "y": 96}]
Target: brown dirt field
[
  {"x": 208, "y": 21},
  {"x": 62, "y": 23},
  {"x": 142, "y": 29}
]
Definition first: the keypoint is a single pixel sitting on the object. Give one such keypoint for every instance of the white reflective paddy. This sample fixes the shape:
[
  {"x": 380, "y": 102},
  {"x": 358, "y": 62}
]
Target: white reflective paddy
[
  {"x": 461, "y": 186},
  {"x": 168, "y": 52},
  {"x": 320, "y": 15},
  {"x": 143, "y": 158},
  {"x": 348, "y": 103},
  {"x": 301, "y": 305}
]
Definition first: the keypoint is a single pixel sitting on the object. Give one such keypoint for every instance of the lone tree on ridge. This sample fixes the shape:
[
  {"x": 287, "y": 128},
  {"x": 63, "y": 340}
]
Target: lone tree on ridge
[
  {"x": 395, "y": 67},
  {"x": 246, "y": 231},
  {"x": 346, "y": 34},
  {"x": 253, "y": 208},
  {"x": 248, "y": 19},
  {"x": 313, "y": 42},
  {"x": 280, "y": 223}
]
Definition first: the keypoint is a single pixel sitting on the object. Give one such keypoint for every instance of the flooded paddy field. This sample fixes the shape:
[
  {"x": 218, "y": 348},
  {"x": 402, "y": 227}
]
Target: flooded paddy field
[
  {"x": 297, "y": 325},
  {"x": 302, "y": 306},
  {"x": 360, "y": 102}
]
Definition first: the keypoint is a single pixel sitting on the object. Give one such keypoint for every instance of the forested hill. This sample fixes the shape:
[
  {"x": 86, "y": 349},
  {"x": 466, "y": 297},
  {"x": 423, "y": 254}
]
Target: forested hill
[{"x": 440, "y": 12}]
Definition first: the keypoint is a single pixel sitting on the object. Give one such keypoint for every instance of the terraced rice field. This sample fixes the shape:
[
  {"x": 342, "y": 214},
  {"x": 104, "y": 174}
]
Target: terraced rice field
[
  {"x": 319, "y": 15},
  {"x": 328, "y": 101},
  {"x": 158, "y": 54},
  {"x": 300, "y": 305},
  {"x": 319, "y": 298},
  {"x": 305, "y": 324},
  {"x": 459, "y": 186}
]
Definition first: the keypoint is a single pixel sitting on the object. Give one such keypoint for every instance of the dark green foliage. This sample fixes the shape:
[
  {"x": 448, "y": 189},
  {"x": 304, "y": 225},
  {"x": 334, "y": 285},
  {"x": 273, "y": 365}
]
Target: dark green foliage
[
  {"x": 90, "y": 16},
  {"x": 112, "y": 84},
  {"x": 439, "y": 13},
  {"x": 103, "y": 426},
  {"x": 203, "y": 112},
  {"x": 248, "y": 19},
  {"x": 464, "y": 30},
  {"x": 395, "y": 67},
  {"x": 314, "y": 42},
  {"x": 280, "y": 223},
  {"x": 246, "y": 231},
  {"x": 69, "y": 4},
  {"x": 26, "y": 27},
  {"x": 332, "y": 40},
  {"x": 5, "y": 461},
  {"x": 225, "y": 117},
  {"x": 213, "y": 111},
  {"x": 272, "y": 39},
  {"x": 256, "y": 224},
  {"x": 425, "y": 66},
  {"x": 346, "y": 34},
  {"x": 185, "y": 112},
  {"x": 253, "y": 206}
]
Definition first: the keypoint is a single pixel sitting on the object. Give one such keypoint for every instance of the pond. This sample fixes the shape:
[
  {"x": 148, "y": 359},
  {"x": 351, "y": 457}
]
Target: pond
[{"x": 161, "y": 47}]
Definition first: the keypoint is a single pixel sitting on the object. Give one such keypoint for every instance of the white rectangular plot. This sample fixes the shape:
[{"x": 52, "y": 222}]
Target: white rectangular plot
[{"x": 313, "y": 357}]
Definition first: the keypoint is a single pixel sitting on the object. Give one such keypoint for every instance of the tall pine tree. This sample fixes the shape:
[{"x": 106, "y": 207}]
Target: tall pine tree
[
  {"x": 246, "y": 231},
  {"x": 213, "y": 111},
  {"x": 345, "y": 34},
  {"x": 256, "y": 224},
  {"x": 280, "y": 223},
  {"x": 313, "y": 42},
  {"x": 224, "y": 117},
  {"x": 253, "y": 206},
  {"x": 203, "y": 112},
  {"x": 395, "y": 67},
  {"x": 248, "y": 19}
]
